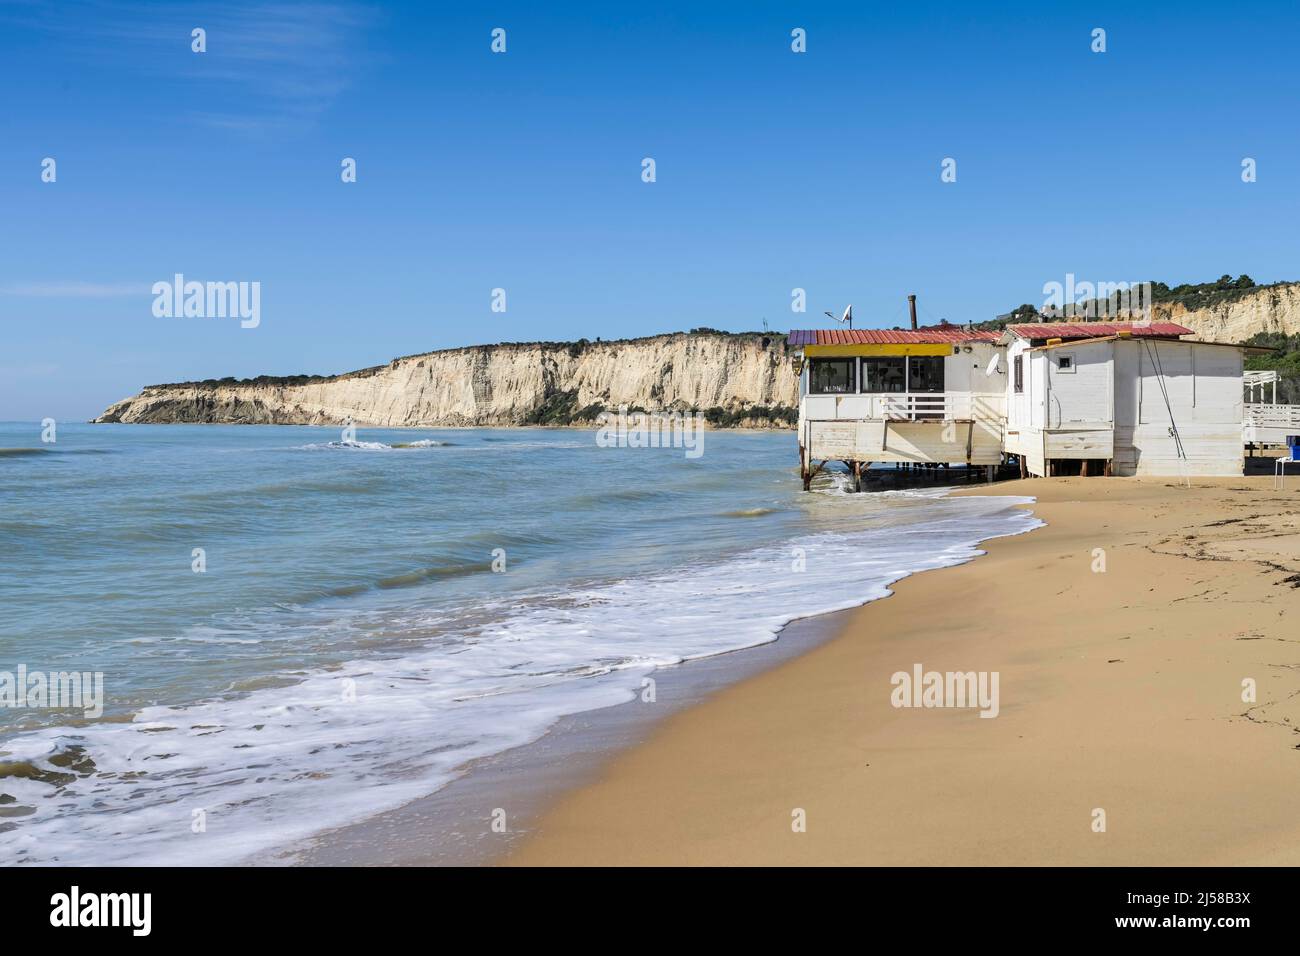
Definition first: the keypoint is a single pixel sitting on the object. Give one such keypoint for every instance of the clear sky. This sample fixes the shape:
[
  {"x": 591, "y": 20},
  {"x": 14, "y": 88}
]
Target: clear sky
[{"x": 523, "y": 171}]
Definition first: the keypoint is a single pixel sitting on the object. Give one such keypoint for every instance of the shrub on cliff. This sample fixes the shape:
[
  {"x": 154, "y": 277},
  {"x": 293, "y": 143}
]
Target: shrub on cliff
[
  {"x": 557, "y": 409},
  {"x": 719, "y": 417}
]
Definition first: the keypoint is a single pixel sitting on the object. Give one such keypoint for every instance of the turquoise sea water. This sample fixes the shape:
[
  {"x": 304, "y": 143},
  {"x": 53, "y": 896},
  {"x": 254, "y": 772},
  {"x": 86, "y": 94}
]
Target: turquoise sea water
[{"x": 348, "y": 645}]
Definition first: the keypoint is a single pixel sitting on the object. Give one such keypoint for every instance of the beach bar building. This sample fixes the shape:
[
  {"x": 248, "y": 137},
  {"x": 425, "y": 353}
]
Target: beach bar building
[
  {"x": 917, "y": 396},
  {"x": 1123, "y": 398}
]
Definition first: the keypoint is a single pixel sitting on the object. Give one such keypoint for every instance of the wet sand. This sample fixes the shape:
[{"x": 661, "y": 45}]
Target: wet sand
[
  {"x": 454, "y": 825},
  {"x": 1120, "y": 693}
]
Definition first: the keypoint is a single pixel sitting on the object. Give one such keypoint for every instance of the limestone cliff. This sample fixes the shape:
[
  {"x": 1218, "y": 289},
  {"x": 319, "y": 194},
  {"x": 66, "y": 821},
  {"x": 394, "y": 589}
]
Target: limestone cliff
[
  {"x": 745, "y": 379},
  {"x": 1235, "y": 318}
]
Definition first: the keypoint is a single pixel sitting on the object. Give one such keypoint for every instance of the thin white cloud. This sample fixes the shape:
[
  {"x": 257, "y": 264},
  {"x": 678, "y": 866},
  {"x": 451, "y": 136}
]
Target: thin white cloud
[
  {"x": 74, "y": 289},
  {"x": 271, "y": 62}
]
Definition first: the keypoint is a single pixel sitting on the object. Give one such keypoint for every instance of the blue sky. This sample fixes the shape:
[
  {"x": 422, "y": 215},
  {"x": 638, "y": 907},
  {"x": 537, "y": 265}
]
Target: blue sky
[{"x": 522, "y": 171}]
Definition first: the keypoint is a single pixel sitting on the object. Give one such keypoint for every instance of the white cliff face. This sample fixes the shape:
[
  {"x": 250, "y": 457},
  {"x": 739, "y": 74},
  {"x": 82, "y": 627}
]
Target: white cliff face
[
  {"x": 1270, "y": 309},
  {"x": 499, "y": 385}
]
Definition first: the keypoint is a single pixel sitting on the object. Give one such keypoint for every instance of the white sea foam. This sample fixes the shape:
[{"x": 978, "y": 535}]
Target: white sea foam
[
  {"x": 346, "y": 443},
  {"x": 495, "y": 448},
  {"x": 373, "y": 445},
  {"x": 280, "y": 763}
]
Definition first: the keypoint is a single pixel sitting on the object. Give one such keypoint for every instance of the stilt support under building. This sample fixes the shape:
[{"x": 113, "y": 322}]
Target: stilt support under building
[{"x": 808, "y": 475}]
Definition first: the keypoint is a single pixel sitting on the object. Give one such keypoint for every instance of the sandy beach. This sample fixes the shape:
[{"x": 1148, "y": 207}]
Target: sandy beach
[{"x": 1120, "y": 693}]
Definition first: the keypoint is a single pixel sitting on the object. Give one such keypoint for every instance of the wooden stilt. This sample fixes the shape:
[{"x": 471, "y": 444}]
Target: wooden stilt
[
  {"x": 1024, "y": 472},
  {"x": 1083, "y": 469},
  {"x": 810, "y": 474}
]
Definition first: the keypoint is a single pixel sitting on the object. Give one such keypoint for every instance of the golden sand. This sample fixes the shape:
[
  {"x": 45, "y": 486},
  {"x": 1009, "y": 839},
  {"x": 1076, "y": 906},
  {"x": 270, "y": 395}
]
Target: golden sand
[{"x": 1120, "y": 690}]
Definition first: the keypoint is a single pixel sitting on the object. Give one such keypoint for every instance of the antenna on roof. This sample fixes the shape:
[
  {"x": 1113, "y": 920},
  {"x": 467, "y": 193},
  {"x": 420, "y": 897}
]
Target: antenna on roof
[{"x": 846, "y": 318}]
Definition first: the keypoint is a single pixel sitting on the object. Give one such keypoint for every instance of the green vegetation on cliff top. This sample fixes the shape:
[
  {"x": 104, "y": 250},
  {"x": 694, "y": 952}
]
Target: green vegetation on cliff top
[
  {"x": 574, "y": 349},
  {"x": 1203, "y": 295}
]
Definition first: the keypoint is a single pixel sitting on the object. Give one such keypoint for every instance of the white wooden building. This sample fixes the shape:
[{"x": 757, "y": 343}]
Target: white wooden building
[
  {"x": 924, "y": 396},
  {"x": 1123, "y": 399}
]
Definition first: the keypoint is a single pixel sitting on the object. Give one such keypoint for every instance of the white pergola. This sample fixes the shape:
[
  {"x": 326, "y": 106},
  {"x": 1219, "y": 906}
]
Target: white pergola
[{"x": 1255, "y": 383}]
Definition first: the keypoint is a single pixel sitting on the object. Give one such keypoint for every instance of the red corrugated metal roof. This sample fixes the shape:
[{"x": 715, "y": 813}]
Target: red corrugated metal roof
[
  {"x": 933, "y": 335},
  {"x": 1067, "y": 343},
  {"x": 1095, "y": 330}
]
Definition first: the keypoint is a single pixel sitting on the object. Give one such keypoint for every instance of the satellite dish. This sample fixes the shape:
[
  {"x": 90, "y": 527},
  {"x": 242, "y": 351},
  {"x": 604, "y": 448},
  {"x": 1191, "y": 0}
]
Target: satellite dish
[
  {"x": 846, "y": 318},
  {"x": 995, "y": 367}
]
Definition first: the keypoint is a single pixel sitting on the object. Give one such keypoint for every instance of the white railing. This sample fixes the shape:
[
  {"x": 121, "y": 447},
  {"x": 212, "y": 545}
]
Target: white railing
[
  {"x": 905, "y": 406},
  {"x": 937, "y": 406},
  {"x": 1272, "y": 416}
]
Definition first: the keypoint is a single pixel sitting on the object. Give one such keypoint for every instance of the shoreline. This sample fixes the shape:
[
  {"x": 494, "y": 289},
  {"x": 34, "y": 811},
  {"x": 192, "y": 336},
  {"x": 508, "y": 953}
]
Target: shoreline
[
  {"x": 712, "y": 577},
  {"x": 453, "y": 822},
  {"x": 589, "y": 426},
  {"x": 1120, "y": 693},
  {"x": 451, "y": 826}
]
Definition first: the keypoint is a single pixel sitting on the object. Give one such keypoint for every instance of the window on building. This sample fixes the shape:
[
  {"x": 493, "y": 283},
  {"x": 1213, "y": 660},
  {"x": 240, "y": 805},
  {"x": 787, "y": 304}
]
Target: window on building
[
  {"x": 883, "y": 375},
  {"x": 925, "y": 373},
  {"x": 1018, "y": 372},
  {"x": 1065, "y": 363},
  {"x": 832, "y": 376}
]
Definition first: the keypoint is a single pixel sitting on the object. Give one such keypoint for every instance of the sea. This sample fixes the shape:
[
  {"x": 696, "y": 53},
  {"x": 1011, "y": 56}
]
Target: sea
[{"x": 299, "y": 628}]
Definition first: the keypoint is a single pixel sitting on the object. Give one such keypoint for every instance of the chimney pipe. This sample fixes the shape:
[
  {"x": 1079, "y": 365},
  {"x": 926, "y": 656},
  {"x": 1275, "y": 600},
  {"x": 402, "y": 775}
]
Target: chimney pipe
[{"x": 911, "y": 305}]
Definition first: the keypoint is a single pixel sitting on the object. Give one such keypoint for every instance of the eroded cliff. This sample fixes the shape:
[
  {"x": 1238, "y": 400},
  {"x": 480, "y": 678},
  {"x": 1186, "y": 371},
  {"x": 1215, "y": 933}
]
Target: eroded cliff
[
  {"x": 736, "y": 379},
  {"x": 1236, "y": 317}
]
